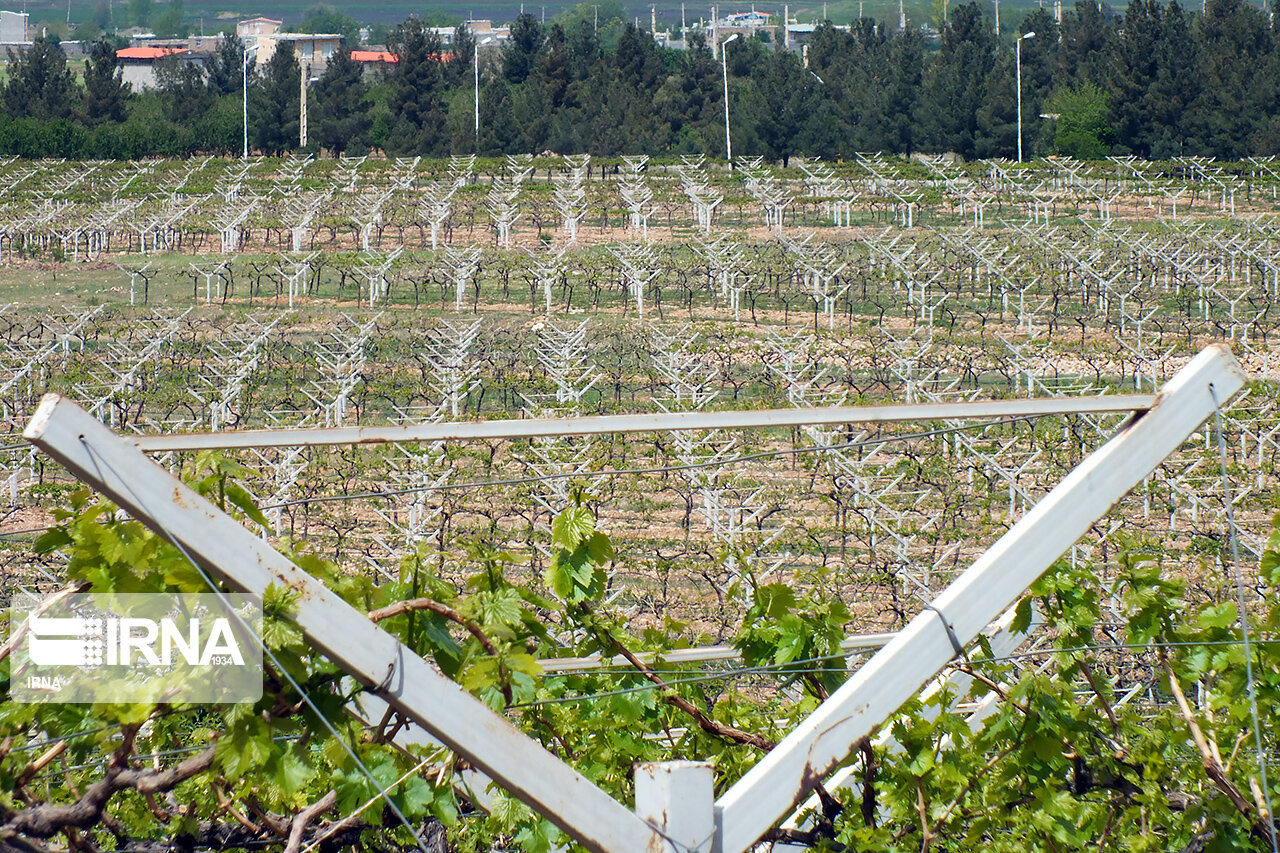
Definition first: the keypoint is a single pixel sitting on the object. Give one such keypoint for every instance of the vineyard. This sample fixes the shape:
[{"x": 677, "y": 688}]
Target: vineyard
[{"x": 644, "y": 595}]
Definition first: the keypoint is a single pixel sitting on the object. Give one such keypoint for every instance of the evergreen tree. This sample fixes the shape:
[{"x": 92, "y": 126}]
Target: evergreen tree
[
  {"x": 276, "y": 102},
  {"x": 497, "y": 123},
  {"x": 689, "y": 103},
  {"x": 415, "y": 83},
  {"x": 832, "y": 56},
  {"x": 40, "y": 84},
  {"x": 1132, "y": 65},
  {"x": 1176, "y": 86},
  {"x": 866, "y": 99},
  {"x": 1082, "y": 53},
  {"x": 520, "y": 56},
  {"x": 789, "y": 105},
  {"x": 1237, "y": 95},
  {"x": 342, "y": 107},
  {"x": 637, "y": 61},
  {"x": 997, "y": 120},
  {"x": 224, "y": 69},
  {"x": 459, "y": 71},
  {"x": 584, "y": 49},
  {"x": 182, "y": 89},
  {"x": 552, "y": 70},
  {"x": 906, "y": 69},
  {"x": 105, "y": 92},
  {"x": 956, "y": 82}
]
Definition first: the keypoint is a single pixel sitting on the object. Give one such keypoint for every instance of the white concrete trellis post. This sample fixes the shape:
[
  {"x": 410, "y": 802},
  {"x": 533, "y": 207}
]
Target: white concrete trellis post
[
  {"x": 678, "y": 797},
  {"x": 991, "y": 584},
  {"x": 673, "y": 800},
  {"x": 229, "y": 551}
]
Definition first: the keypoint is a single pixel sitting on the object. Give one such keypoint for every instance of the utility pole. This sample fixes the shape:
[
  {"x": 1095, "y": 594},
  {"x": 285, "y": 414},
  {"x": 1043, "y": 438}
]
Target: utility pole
[
  {"x": 244, "y": 71},
  {"x": 724, "y": 62},
  {"x": 476, "y": 53},
  {"x": 305, "y": 68},
  {"x": 1018, "y": 66}
]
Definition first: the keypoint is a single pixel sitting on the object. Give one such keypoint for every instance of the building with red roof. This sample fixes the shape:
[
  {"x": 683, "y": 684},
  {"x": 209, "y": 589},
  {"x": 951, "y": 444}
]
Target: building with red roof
[{"x": 138, "y": 64}]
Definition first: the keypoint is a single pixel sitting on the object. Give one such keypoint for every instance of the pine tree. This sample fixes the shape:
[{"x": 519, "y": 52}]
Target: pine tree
[
  {"x": 906, "y": 69},
  {"x": 553, "y": 66},
  {"x": 1132, "y": 64},
  {"x": 276, "y": 94},
  {"x": 182, "y": 89},
  {"x": 789, "y": 101},
  {"x": 224, "y": 69},
  {"x": 1237, "y": 96},
  {"x": 519, "y": 57},
  {"x": 105, "y": 92},
  {"x": 459, "y": 71},
  {"x": 1175, "y": 88},
  {"x": 341, "y": 104},
  {"x": 497, "y": 124},
  {"x": 40, "y": 84},
  {"x": 956, "y": 82},
  {"x": 1085, "y": 36},
  {"x": 416, "y": 82},
  {"x": 997, "y": 125}
]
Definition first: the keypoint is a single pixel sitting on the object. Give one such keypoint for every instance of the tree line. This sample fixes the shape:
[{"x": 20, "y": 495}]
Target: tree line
[{"x": 1156, "y": 81}]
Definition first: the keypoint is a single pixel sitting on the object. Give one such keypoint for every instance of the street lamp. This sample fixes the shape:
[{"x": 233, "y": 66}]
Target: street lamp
[
  {"x": 244, "y": 75},
  {"x": 476, "y": 54},
  {"x": 1018, "y": 66},
  {"x": 724, "y": 63}
]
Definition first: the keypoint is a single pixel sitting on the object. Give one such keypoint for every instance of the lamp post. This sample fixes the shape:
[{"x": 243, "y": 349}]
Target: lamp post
[
  {"x": 244, "y": 75},
  {"x": 724, "y": 64},
  {"x": 476, "y": 54},
  {"x": 1018, "y": 69}
]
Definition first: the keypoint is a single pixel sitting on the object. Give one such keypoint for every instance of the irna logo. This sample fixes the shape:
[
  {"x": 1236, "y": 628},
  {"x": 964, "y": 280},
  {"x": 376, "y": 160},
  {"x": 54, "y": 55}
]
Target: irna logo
[
  {"x": 123, "y": 641},
  {"x": 198, "y": 648}
]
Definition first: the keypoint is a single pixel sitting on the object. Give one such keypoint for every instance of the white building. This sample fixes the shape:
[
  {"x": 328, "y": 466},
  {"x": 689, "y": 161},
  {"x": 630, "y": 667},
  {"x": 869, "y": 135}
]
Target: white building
[{"x": 14, "y": 28}]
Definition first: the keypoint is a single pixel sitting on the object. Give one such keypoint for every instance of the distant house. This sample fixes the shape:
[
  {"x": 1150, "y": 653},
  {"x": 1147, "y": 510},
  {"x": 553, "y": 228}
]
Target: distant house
[
  {"x": 204, "y": 45},
  {"x": 13, "y": 29},
  {"x": 446, "y": 34},
  {"x": 378, "y": 60},
  {"x": 257, "y": 33},
  {"x": 485, "y": 32},
  {"x": 138, "y": 64},
  {"x": 312, "y": 49},
  {"x": 255, "y": 28},
  {"x": 747, "y": 19}
]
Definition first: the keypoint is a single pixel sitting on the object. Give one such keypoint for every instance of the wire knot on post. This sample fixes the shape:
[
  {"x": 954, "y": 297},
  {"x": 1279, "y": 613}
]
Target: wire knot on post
[{"x": 951, "y": 632}]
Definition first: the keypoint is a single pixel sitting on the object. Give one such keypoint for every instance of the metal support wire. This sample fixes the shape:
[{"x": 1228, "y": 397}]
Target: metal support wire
[
  {"x": 1244, "y": 622},
  {"x": 266, "y": 651}
]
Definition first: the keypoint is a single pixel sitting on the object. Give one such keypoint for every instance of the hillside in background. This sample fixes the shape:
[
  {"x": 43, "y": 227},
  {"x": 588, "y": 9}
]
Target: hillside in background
[{"x": 214, "y": 14}]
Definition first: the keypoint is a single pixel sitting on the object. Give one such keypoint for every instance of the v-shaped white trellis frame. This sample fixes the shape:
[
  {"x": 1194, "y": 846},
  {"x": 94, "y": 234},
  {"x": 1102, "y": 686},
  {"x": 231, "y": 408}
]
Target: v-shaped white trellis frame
[{"x": 674, "y": 798}]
